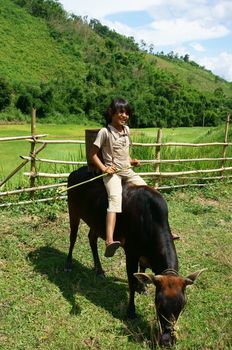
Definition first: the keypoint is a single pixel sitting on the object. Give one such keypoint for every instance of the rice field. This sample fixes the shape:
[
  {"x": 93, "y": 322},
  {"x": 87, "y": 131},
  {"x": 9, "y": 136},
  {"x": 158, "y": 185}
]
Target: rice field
[{"x": 11, "y": 151}]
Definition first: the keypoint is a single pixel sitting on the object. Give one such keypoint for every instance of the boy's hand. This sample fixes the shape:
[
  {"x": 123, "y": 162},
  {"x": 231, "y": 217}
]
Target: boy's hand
[
  {"x": 135, "y": 162},
  {"x": 110, "y": 169}
]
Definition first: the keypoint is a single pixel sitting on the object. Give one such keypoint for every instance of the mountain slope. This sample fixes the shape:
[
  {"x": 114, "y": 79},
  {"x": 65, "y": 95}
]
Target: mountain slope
[
  {"x": 69, "y": 69},
  {"x": 28, "y": 53},
  {"x": 198, "y": 77}
]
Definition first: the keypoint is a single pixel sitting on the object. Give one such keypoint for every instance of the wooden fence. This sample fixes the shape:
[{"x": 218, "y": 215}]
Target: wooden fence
[{"x": 224, "y": 172}]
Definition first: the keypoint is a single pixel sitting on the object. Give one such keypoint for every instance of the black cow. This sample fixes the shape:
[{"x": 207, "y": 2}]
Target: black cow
[{"x": 145, "y": 235}]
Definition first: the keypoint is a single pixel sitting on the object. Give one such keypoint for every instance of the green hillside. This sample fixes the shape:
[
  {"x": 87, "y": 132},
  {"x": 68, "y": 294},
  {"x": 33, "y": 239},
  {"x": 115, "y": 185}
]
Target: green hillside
[
  {"x": 194, "y": 75},
  {"x": 70, "y": 68},
  {"x": 28, "y": 52}
]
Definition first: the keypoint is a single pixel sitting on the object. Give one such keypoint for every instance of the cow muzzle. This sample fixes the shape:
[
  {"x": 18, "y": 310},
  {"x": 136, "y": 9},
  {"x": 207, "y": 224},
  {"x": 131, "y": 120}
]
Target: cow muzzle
[
  {"x": 167, "y": 334},
  {"x": 167, "y": 339}
]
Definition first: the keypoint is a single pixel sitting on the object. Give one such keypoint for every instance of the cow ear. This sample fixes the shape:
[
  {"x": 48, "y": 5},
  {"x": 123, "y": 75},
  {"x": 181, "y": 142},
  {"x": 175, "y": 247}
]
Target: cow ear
[
  {"x": 191, "y": 278},
  {"x": 144, "y": 277}
]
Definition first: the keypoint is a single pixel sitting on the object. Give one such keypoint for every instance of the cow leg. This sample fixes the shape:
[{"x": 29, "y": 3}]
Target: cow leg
[
  {"x": 131, "y": 267},
  {"x": 93, "y": 237},
  {"x": 74, "y": 224}
]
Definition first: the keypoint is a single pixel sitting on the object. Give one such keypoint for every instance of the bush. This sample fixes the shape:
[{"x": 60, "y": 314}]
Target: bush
[{"x": 5, "y": 93}]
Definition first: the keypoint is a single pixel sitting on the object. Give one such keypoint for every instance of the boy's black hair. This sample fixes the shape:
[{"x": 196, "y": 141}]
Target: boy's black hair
[{"x": 117, "y": 105}]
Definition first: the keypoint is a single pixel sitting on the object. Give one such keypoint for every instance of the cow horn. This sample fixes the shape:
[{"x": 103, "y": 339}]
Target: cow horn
[
  {"x": 148, "y": 278},
  {"x": 191, "y": 278},
  {"x": 144, "y": 277}
]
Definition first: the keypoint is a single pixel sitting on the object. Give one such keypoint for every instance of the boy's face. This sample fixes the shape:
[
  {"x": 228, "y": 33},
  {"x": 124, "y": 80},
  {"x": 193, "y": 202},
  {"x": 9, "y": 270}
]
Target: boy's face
[{"x": 120, "y": 119}]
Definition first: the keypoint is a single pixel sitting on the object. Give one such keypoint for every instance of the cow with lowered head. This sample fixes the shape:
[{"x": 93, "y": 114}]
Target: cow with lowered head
[{"x": 145, "y": 235}]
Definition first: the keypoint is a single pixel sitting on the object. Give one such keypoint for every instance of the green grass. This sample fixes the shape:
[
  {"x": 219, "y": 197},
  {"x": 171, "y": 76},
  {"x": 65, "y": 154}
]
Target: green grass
[
  {"x": 44, "y": 308},
  {"x": 28, "y": 52}
]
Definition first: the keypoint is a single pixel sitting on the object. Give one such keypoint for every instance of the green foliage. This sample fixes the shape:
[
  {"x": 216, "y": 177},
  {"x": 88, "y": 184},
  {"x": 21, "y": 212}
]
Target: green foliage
[
  {"x": 66, "y": 65},
  {"x": 39, "y": 97},
  {"x": 5, "y": 93}
]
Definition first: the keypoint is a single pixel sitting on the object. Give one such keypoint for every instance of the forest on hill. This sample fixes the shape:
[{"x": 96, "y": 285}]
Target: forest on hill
[{"x": 69, "y": 68}]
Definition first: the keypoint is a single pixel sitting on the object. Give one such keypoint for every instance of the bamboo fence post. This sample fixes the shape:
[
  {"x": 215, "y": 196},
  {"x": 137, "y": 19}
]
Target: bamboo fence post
[
  {"x": 225, "y": 141},
  {"x": 32, "y": 153},
  {"x": 157, "y": 154}
]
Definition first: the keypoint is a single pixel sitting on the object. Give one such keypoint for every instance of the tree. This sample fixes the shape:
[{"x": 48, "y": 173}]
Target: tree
[
  {"x": 5, "y": 93},
  {"x": 186, "y": 57}
]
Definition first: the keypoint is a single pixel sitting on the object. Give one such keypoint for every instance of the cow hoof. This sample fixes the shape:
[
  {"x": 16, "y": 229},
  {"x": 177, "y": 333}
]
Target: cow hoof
[
  {"x": 68, "y": 270},
  {"x": 131, "y": 315},
  {"x": 68, "y": 267},
  {"x": 101, "y": 274}
]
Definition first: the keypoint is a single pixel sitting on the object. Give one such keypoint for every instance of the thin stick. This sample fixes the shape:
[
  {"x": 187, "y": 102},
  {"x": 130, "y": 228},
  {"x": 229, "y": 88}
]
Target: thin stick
[
  {"x": 84, "y": 182},
  {"x": 47, "y": 175},
  {"x": 93, "y": 179},
  {"x": 20, "y": 166},
  {"x": 225, "y": 140},
  {"x": 16, "y": 138},
  {"x": 182, "y": 160},
  {"x": 55, "y": 161},
  {"x": 33, "y": 201},
  {"x": 161, "y": 174},
  {"x": 142, "y": 162},
  {"x": 205, "y": 178},
  {"x": 182, "y": 186},
  {"x": 58, "y": 141},
  {"x": 33, "y": 145},
  {"x": 176, "y": 144},
  {"x": 167, "y": 174},
  {"x": 181, "y": 144},
  {"x": 157, "y": 154},
  {"x": 22, "y": 190}
]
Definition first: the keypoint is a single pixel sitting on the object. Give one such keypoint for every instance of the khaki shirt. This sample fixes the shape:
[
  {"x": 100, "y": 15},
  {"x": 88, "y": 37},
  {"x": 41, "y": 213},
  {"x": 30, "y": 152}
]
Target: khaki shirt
[{"x": 120, "y": 143}]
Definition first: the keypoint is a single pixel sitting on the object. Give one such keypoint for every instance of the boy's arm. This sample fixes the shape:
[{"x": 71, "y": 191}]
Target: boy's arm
[{"x": 98, "y": 163}]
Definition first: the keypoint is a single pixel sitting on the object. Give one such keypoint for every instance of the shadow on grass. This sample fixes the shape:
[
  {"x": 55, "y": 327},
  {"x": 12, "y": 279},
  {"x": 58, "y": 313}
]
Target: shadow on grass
[{"x": 108, "y": 293}]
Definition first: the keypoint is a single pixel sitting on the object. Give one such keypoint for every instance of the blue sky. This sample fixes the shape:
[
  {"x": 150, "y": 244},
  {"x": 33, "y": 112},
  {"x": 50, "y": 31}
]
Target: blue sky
[{"x": 200, "y": 28}]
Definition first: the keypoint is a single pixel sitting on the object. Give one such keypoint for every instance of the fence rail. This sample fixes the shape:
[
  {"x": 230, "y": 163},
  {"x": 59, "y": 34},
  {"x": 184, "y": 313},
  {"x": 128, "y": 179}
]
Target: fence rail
[
  {"x": 177, "y": 144},
  {"x": 157, "y": 175},
  {"x": 18, "y": 138}
]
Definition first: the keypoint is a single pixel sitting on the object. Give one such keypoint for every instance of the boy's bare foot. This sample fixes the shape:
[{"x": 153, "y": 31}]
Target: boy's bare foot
[
  {"x": 111, "y": 248},
  {"x": 174, "y": 237}
]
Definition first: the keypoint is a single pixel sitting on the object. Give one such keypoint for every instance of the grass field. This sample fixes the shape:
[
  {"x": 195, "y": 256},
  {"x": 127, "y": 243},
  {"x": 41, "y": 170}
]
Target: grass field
[{"x": 44, "y": 308}]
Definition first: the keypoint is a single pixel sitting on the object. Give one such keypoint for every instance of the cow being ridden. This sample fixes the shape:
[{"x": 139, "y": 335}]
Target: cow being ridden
[{"x": 144, "y": 233}]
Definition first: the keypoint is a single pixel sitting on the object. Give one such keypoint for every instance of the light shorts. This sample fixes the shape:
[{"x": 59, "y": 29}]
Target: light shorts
[{"x": 113, "y": 184}]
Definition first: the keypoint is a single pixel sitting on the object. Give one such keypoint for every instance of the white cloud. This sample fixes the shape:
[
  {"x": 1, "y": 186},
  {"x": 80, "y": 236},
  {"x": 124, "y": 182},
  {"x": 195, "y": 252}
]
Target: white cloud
[
  {"x": 101, "y": 8},
  {"x": 172, "y": 32},
  {"x": 220, "y": 65},
  {"x": 165, "y": 9},
  {"x": 174, "y": 23},
  {"x": 197, "y": 47},
  {"x": 223, "y": 11}
]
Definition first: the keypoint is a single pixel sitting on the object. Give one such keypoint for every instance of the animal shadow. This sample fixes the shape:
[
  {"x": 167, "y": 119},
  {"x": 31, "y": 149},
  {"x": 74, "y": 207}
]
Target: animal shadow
[{"x": 82, "y": 280}]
